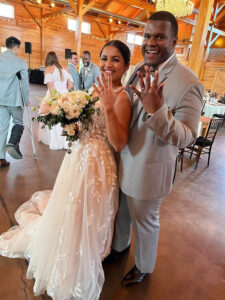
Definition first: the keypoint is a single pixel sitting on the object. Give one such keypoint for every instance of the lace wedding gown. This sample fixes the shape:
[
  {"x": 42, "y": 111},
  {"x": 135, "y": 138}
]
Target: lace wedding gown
[{"x": 66, "y": 233}]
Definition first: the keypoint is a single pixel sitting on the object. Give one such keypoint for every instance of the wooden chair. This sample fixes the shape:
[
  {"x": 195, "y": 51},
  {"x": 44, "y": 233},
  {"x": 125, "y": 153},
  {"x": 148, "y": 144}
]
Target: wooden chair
[
  {"x": 220, "y": 116},
  {"x": 180, "y": 157},
  {"x": 203, "y": 145},
  {"x": 203, "y": 106}
]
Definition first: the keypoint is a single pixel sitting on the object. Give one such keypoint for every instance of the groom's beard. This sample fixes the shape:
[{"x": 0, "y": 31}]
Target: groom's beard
[{"x": 152, "y": 70}]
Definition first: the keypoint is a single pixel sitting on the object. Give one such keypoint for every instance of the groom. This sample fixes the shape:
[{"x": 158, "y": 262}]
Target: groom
[{"x": 165, "y": 116}]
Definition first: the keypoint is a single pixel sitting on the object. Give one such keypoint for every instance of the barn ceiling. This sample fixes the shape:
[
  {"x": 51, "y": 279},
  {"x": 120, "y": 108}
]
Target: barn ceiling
[{"x": 129, "y": 13}]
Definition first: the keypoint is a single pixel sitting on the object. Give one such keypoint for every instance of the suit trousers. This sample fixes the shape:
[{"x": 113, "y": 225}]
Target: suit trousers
[
  {"x": 144, "y": 217},
  {"x": 5, "y": 113}
]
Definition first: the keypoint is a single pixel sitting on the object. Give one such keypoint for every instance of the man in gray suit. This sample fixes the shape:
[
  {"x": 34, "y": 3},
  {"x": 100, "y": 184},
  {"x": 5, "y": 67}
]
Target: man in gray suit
[
  {"x": 72, "y": 64},
  {"x": 166, "y": 109},
  {"x": 88, "y": 72},
  {"x": 10, "y": 99}
]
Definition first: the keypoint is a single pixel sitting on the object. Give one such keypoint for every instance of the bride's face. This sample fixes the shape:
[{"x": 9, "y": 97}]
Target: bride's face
[{"x": 112, "y": 61}]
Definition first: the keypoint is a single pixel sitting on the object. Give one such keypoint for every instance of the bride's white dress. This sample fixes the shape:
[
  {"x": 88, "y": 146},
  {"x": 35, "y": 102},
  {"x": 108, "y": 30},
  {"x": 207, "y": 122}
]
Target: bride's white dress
[{"x": 66, "y": 233}]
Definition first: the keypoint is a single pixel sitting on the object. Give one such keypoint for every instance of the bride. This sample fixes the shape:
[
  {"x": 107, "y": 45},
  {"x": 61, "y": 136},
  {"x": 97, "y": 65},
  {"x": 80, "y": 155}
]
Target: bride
[{"x": 66, "y": 233}]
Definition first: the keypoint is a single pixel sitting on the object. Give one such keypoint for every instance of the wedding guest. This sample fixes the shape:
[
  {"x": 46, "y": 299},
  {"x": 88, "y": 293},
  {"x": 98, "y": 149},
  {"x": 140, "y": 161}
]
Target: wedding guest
[
  {"x": 10, "y": 99},
  {"x": 166, "y": 106},
  {"x": 59, "y": 79},
  {"x": 88, "y": 72},
  {"x": 72, "y": 67}
]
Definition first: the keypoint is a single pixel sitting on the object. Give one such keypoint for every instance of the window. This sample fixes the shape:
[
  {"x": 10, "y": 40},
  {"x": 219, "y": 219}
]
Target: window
[
  {"x": 85, "y": 26},
  {"x": 71, "y": 24},
  {"x": 6, "y": 11},
  {"x": 130, "y": 38},
  {"x": 134, "y": 39},
  {"x": 138, "y": 39}
]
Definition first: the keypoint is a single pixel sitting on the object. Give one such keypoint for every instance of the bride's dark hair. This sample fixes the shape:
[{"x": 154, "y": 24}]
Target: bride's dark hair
[{"x": 124, "y": 50}]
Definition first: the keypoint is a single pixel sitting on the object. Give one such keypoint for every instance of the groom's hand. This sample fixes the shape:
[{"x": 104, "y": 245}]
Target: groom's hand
[{"x": 150, "y": 95}]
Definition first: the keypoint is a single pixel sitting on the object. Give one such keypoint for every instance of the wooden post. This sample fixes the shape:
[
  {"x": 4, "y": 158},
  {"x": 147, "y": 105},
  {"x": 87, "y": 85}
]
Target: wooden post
[
  {"x": 201, "y": 29},
  {"x": 42, "y": 38},
  {"x": 79, "y": 12},
  {"x": 78, "y": 33}
]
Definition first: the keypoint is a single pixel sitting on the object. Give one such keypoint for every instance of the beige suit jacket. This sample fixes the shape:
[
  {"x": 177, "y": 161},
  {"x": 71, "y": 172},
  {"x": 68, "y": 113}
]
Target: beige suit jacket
[{"x": 148, "y": 160}]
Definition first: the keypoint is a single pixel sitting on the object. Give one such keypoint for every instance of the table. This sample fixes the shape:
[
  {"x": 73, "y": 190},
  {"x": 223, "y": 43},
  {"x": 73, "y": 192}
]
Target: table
[
  {"x": 211, "y": 109},
  {"x": 36, "y": 76}
]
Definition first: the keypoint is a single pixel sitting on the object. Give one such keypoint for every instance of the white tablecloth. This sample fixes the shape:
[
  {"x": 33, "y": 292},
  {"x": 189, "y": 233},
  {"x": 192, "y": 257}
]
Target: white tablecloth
[{"x": 211, "y": 109}]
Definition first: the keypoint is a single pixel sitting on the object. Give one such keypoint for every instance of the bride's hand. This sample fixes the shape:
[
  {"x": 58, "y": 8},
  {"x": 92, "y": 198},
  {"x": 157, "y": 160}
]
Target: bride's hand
[{"x": 105, "y": 91}]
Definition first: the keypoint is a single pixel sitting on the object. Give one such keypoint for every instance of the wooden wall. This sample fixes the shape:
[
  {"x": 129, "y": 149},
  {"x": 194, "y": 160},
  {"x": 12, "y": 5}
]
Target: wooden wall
[
  {"x": 54, "y": 36},
  {"x": 209, "y": 73}
]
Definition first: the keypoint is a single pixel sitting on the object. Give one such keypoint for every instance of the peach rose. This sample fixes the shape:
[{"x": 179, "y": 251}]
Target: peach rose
[
  {"x": 55, "y": 108},
  {"x": 70, "y": 129},
  {"x": 44, "y": 108}
]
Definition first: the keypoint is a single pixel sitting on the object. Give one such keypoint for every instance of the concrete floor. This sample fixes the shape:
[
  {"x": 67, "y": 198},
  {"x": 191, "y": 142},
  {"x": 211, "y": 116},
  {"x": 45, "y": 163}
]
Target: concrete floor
[{"x": 191, "y": 253}]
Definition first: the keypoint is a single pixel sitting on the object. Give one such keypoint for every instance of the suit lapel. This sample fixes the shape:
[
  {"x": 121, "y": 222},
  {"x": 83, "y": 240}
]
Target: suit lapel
[
  {"x": 167, "y": 69},
  {"x": 136, "y": 103}
]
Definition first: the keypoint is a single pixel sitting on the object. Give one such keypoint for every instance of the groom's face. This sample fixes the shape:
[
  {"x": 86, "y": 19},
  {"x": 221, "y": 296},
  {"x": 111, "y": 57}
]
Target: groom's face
[{"x": 159, "y": 42}]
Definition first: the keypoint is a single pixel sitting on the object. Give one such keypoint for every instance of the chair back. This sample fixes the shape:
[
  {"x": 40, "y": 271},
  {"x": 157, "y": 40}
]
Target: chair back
[
  {"x": 203, "y": 106},
  {"x": 213, "y": 128}
]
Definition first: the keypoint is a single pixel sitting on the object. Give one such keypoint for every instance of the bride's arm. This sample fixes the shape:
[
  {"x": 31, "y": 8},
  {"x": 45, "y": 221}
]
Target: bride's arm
[
  {"x": 50, "y": 86},
  {"x": 117, "y": 118},
  {"x": 117, "y": 109}
]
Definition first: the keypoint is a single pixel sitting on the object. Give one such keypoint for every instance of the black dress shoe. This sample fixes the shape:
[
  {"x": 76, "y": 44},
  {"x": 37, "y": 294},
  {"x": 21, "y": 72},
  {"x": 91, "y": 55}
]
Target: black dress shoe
[
  {"x": 113, "y": 255},
  {"x": 4, "y": 163},
  {"x": 14, "y": 151},
  {"x": 134, "y": 276}
]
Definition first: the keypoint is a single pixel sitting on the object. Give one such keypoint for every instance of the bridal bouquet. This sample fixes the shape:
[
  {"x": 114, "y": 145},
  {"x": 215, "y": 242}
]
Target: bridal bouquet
[{"x": 72, "y": 110}]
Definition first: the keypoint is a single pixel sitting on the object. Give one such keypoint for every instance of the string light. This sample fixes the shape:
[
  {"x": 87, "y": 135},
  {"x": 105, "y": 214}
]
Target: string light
[
  {"x": 39, "y": 1},
  {"x": 28, "y": 21},
  {"x": 52, "y": 4},
  {"x": 110, "y": 20}
]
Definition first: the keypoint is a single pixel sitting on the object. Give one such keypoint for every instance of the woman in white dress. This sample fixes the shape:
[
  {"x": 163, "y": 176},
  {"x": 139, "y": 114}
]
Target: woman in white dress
[
  {"x": 56, "y": 78},
  {"x": 67, "y": 232}
]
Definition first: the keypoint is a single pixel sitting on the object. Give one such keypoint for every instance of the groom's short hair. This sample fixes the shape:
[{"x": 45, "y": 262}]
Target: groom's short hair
[{"x": 166, "y": 16}]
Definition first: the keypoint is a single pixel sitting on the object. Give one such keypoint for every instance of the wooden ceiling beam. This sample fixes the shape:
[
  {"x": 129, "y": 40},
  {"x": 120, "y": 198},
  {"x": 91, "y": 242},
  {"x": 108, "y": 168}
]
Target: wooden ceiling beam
[
  {"x": 139, "y": 4},
  {"x": 128, "y": 30},
  {"x": 35, "y": 20},
  {"x": 57, "y": 12},
  {"x": 219, "y": 17},
  {"x": 74, "y": 6},
  {"x": 102, "y": 30},
  {"x": 104, "y": 21},
  {"x": 88, "y": 6},
  {"x": 124, "y": 6},
  {"x": 137, "y": 12}
]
